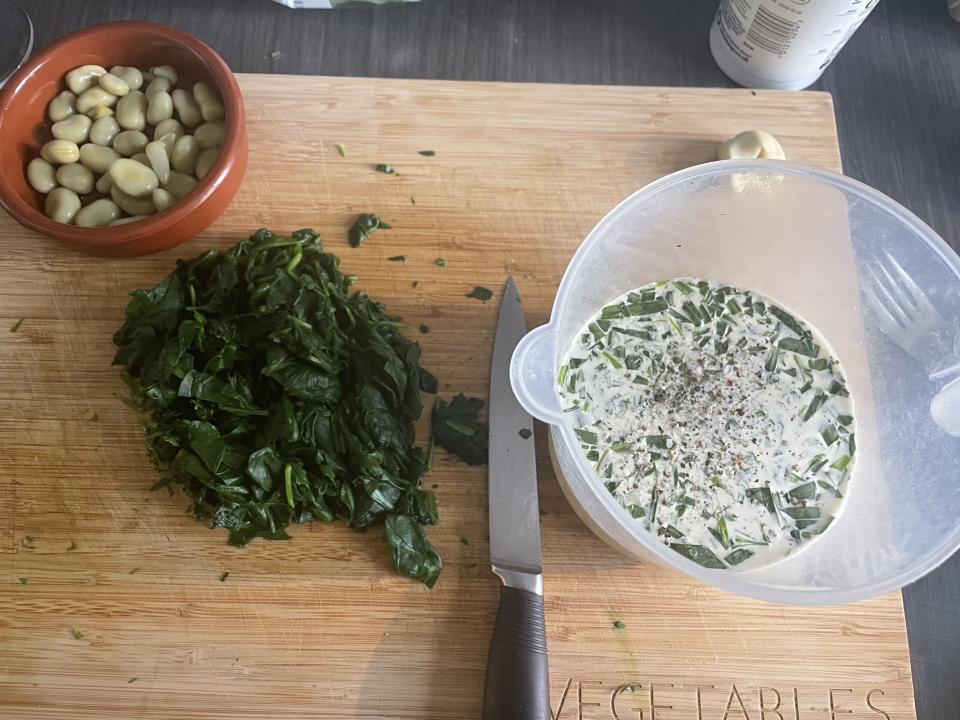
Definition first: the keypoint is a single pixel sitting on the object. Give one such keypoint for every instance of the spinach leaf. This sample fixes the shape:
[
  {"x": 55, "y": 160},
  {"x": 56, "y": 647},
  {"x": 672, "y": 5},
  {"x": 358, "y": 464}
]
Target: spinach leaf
[
  {"x": 364, "y": 226},
  {"x": 413, "y": 555},
  {"x": 457, "y": 429},
  {"x": 273, "y": 393}
]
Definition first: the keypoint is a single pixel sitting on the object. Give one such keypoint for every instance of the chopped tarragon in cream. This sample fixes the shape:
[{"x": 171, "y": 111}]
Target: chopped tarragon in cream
[{"x": 720, "y": 421}]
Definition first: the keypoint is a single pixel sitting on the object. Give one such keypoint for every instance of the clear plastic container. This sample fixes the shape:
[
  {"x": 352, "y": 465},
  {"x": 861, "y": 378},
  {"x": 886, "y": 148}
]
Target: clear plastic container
[{"x": 882, "y": 287}]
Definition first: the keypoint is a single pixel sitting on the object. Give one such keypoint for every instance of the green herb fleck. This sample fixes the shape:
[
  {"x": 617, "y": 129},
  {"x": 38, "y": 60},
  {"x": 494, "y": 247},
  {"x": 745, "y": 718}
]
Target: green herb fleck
[
  {"x": 414, "y": 283},
  {"x": 525, "y": 433},
  {"x": 722, "y": 530},
  {"x": 802, "y": 513},
  {"x": 738, "y": 556},
  {"x": 342, "y": 149},
  {"x": 586, "y": 436},
  {"x": 829, "y": 434},
  {"x": 699, "y": 554},
  {"x": 647, "y": 307},
  {"x": 464, "y": 541},
  {"x": 427, "y": 153},
  {"x": 397, "y": 258},
  {"x": 364, "y": 226},
  {"x": 384, "y": 168},
  {"x": 818, "y": 400},
  {"x": 77, "y": 635},
  {"x": 224, "y": 576},
  {"x": 657, "y": 441},
  {"x": 480, "y": 293},
  {"x": 132, "y": 680},
  {"x": 614, "y": 363},
  {"x": 134, "y": 571},
  {"x": 801, "y": 347},
  {"x": 619, "y": 625},
  {"x": 16, "y": 325},
  {"x": 789, "y": 320},
  {"x": 73, "y": 546},
  {"x": 440, "y": 261},
  {"x": 762, "y": 496},
  {"x": 770, "y": 365},
  {"x": 807, "y": 491},
  {"x": 24, "y": 581},
  {"x": 841, "y": 463},
  {"x": 837, "y": 388}
]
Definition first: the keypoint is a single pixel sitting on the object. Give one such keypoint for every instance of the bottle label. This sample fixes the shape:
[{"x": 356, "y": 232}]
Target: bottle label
[{"x": 789, "y": 38}]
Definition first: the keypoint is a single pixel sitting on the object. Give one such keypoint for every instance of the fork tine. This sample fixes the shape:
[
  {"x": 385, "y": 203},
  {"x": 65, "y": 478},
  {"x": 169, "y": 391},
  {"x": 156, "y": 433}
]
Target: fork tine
[
  {"x": 881, "y": 308},
  {"x": 920, "y": 300},
  {"x": 886, "y": 301},
  {"x": 903, "y": 298}
]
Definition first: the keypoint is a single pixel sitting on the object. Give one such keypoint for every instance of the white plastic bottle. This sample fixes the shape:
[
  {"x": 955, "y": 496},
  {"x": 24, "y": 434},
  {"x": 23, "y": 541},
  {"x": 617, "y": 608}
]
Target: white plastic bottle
[{"x": 782, "y": 44}]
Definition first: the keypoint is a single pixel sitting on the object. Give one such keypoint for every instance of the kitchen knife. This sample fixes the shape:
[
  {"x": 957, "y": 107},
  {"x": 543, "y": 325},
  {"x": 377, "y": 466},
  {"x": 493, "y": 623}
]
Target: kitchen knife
[{"x": 517, "y": 685}]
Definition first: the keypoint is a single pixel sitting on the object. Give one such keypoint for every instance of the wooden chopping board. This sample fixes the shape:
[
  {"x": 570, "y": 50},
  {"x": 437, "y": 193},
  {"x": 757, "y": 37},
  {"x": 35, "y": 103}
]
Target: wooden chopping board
[{"x": 321, "y": 627}]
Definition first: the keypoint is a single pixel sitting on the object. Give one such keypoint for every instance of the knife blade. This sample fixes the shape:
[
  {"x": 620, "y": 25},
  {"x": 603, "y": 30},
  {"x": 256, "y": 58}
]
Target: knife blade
[{"x": 517, "y": 683}]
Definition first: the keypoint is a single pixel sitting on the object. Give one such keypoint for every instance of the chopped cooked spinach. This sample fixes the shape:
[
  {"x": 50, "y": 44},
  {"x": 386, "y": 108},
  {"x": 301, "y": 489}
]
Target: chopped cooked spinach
[
  {"x": 364, "y": 226},
  {"x": 274, "y": 393},
  {"x": 457, "y": 429}
]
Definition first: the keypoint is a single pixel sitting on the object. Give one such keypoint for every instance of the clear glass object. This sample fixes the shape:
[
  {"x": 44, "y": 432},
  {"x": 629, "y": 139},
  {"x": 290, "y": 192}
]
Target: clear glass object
[
  {"x": 16, "y": 39},
  {"x": 880, "y": 285}
]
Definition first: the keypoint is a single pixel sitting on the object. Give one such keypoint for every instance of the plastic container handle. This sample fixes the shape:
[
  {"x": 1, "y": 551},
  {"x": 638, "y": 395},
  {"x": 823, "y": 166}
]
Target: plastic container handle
[
  {"x": 533, "y": 374},
  {"x": 945, "y": 408}
]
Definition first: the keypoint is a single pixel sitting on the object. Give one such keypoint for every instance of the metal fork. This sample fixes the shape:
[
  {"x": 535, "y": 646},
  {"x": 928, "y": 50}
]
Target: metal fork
[{"x": 909, "y": 318}]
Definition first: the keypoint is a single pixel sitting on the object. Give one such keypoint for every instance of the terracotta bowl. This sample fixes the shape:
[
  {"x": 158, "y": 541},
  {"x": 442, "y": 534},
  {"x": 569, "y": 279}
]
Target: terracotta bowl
[{"x": 24, "y": 127}]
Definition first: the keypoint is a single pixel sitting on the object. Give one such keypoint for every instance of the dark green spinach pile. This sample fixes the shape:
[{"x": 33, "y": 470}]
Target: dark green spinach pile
[{"x": 274, "y": 394}]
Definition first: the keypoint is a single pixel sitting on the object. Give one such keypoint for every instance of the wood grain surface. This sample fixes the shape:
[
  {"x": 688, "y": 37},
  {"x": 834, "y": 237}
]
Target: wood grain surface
[{"x": 113, "y": 602}]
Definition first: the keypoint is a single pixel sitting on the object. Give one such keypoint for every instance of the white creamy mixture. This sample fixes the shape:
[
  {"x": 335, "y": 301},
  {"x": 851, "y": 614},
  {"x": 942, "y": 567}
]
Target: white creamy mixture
[{"x": 719, "y": 420}]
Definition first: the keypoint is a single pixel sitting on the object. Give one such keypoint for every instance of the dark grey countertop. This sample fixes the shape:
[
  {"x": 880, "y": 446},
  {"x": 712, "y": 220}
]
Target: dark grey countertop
[{"x": 896, "y": 88}]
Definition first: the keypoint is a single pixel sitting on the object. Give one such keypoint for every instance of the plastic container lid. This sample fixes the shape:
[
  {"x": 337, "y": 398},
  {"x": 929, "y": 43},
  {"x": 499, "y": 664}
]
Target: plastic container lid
[{"x": 880, "y": 285}]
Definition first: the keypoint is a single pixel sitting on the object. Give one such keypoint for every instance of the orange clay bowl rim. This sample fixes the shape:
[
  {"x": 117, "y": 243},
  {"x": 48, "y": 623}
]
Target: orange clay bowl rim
[{"x": 31, "y": 217}]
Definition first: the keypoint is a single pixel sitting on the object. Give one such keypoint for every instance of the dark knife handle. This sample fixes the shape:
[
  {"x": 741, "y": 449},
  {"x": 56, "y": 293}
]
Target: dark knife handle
[{"x": 518, "y": 685}]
